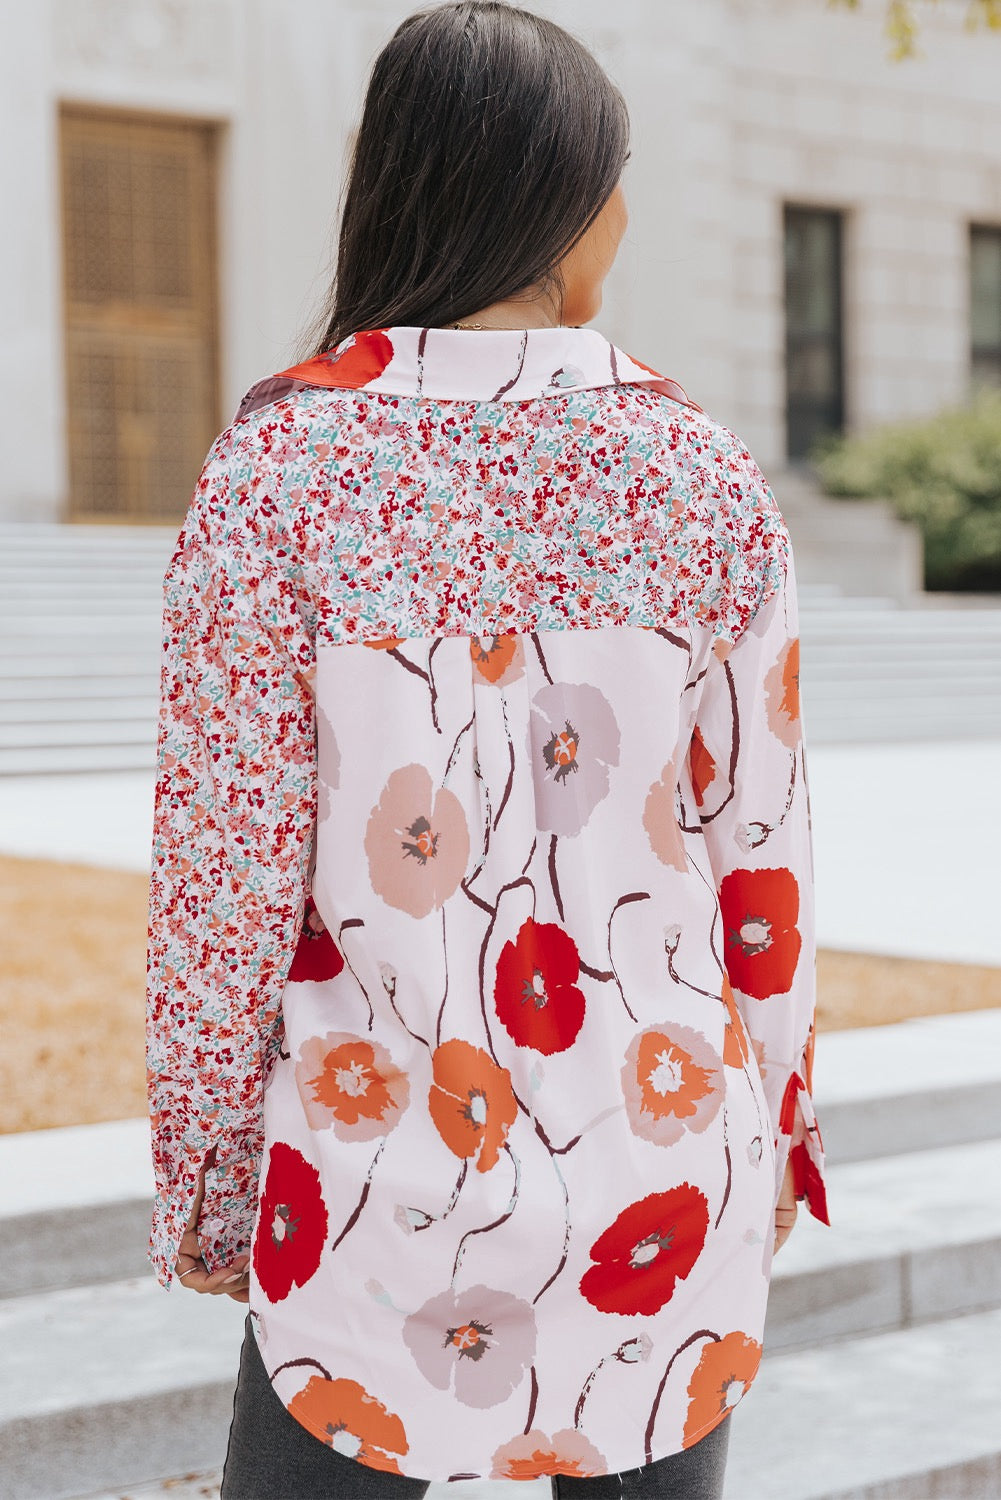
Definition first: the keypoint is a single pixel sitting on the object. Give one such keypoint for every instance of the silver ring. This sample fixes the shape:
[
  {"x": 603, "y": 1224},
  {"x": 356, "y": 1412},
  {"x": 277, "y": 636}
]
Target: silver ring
[{"x": 181, "y": 1274}]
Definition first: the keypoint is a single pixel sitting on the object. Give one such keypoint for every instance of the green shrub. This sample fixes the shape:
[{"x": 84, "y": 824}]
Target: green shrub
[{"x": 944, "y": 473}]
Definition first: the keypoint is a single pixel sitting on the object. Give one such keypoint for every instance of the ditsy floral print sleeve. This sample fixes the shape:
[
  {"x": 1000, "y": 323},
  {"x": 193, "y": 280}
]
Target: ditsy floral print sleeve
[
  {"x": 482, "y": 954},
  {"x": 233, "y": 830}
]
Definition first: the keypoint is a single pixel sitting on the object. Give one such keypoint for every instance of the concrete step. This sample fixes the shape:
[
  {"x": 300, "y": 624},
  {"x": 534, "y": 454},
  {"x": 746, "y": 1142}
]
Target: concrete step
[
  {"x": 105, "y": 1386},
  {"x": 69, "y": 665},
  {"x": 109, "y": 623},
  {"x": 913, "y": 1237},
  {"x": 890, "y": 1099},
  {"x": 100, "y": 536},
  {"x": 871, "y": 1419},
  {"x": 61, "y": 735},
  {"x": 907, "y": 1415},
  {"x": 916, "y": 1085},
  {"x": 112, "y": 1386},
  {"x": 49, "y": 709},
  {"x": 74, "y": 1206},
  {"x": 80, "y": 639},
  {"x": 834, "y": 732},
  {"x": 55, "y": 761},
  {"x": 34, "y": 691},
  {"x": 912, "y": 685}
]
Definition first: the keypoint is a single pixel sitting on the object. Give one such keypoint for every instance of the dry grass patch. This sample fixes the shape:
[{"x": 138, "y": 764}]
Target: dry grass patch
[{"x": 72, "y": 972}]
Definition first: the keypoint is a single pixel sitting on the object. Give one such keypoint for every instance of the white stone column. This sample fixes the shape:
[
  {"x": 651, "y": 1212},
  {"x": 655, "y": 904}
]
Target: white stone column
[{"x": 33, "y": 467}]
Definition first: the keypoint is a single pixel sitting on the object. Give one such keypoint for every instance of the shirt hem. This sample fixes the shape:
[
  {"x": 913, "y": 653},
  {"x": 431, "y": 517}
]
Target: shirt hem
[{"x": 611, "y": 1467}]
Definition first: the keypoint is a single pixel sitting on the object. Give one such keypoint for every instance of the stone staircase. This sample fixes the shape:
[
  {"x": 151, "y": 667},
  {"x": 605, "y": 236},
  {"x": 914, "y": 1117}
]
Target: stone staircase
[
  {"x": 880, "y": 1379},
  {"x": 79, "y": 646},
  {"x": 860, "y": 546},
  {"x": 80, "y": 639}
]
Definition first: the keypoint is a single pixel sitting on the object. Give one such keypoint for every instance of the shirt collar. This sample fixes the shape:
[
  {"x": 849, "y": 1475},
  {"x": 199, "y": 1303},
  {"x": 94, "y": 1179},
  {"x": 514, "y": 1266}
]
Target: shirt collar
[{"x": 476, "y": 364}]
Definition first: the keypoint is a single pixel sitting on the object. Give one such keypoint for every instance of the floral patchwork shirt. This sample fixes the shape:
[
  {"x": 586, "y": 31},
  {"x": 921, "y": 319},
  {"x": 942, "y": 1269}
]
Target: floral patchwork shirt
[{"x": 482, "y": 953}]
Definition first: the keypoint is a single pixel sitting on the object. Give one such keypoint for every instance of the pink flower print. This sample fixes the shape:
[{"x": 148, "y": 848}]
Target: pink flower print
[
  {"x": 417, "y": 842},
  {"x": 672, "y": 1081},
  {"x": 782, "y": 694},
  {"x": 573, "y": 739},
  {"x": 476, "y": 1343},
  {"x": 534, "y": 1455},
  {"x": 660, "y": 819},
  {"x": 350, "y": 1085},
  {"x": 328, "y": 757}
]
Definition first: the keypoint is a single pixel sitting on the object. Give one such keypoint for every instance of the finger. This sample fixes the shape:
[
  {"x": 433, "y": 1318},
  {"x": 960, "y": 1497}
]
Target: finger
[
  {"x": 193, "y": 1279},
  {"x": 186, "y": 1262},
  {"x": 228, "y": 1279},
  {"x": 191, "y": 1270},
  {"x": 243, "y": 1296}
]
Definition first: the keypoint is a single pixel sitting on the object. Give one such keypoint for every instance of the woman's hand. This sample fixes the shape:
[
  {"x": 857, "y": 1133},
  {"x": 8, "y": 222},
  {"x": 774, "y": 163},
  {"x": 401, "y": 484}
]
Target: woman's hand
[
  {"x": 785, "y": 1210},
  {"x": 192, "y": 1272}
]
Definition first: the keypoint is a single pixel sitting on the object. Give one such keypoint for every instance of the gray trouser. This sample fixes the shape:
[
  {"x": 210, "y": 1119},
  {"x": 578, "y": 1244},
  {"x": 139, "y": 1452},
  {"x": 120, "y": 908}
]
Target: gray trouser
[{"x": 272, "y": 1457}]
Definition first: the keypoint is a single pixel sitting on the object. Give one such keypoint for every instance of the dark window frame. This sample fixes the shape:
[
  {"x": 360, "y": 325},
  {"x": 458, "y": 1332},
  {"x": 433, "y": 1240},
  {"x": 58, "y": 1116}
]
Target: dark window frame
[
  {"x": 985, "y": 356},
  {"x": 809, "y": 416}
]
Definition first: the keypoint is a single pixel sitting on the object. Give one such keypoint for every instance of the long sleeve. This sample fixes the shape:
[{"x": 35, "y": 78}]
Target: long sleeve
[
  {"x": 748, "y": 769},
  {"x": 233, "y": 828}
]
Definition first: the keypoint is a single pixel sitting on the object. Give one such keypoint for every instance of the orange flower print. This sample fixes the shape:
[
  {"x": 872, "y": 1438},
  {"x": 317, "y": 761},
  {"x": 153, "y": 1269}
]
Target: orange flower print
[
  {"x": 533, "y": 1455},
  {"x": 472, "y": 1103},
  {"x": 660, "y": 819},
  {"x": 385, "y": 643},
  {"x": 701, "y": 765},
  {"x": 417, "y": 842},
  {"x": 672, "y": 1081},
  {"x": 350, "y": 1085},
  {"x": 761, "y": 940},
  {"x": 735, "y": 1037},
  {"x": 721, "y": 1377},
  {"x": 497, "y": 659},
  {"x": 342, "y": 1414},
  {"x": 782, "y": 695}
]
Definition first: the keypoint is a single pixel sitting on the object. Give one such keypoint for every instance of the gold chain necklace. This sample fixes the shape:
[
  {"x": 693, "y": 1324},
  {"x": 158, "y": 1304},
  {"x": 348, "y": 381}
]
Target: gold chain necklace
[{"x": 488, "y": 328}]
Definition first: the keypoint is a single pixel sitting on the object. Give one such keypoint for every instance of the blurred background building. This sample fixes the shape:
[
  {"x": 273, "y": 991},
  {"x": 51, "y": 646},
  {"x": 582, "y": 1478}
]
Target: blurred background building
[
  {"x": 815, "y": 246},
  {"x": 815, "y": 237}
]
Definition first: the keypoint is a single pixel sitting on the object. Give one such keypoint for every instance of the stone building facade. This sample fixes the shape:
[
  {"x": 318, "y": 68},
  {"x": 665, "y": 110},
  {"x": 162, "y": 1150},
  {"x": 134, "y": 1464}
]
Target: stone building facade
[{"x": 815, "y": 232}]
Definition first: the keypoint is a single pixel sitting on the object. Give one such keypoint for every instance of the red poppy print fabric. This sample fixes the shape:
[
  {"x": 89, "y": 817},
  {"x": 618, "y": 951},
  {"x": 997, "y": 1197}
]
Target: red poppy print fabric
[
  {"x": 482, "y": 950},
  {"x": 293, "y": 1223},
  {"x": 535, "y": 990}
]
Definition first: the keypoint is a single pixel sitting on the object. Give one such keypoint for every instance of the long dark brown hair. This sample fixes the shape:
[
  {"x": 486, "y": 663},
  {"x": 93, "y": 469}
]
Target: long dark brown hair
[{"x": 490, "y": 141}]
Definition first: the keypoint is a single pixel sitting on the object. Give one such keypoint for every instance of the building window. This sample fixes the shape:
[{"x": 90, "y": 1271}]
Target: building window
[
  {"x": 985, "y": 304},
  {"x": 139, "y": 259},
  {"x": 814, "y": 343}
]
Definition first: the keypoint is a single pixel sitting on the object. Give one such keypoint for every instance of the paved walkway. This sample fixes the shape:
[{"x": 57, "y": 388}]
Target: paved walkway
[
  {"x": 907, "y": 841},
  {"x": 206, "y": 1487}
]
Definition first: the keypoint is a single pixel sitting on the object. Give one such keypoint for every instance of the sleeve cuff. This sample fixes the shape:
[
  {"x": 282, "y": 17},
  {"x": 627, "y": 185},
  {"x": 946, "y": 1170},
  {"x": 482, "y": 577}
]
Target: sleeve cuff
[
  {"x": 800, "y": 1142},
  {"x": 225, "y": 1222}
]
